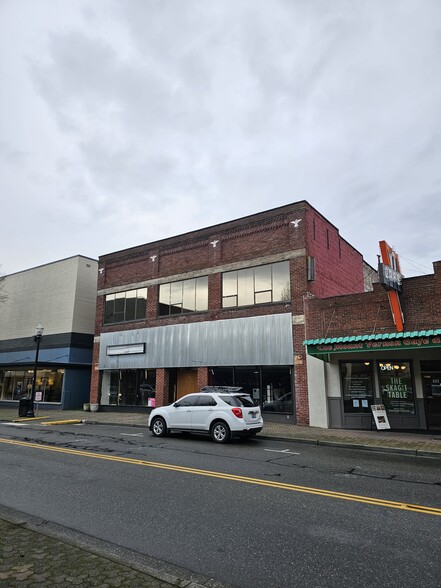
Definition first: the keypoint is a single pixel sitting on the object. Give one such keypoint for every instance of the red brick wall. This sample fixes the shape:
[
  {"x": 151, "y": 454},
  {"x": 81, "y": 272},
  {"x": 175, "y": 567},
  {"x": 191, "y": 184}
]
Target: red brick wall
[
  {"x": 202, "y": 377},
  {"x": 288, "y": 229},
  {"x": 339, "y": 267},
  {"x": 361, "y": 314},
  {"x": 95, "y": 377},
  {"x": 162, "y": 387}
]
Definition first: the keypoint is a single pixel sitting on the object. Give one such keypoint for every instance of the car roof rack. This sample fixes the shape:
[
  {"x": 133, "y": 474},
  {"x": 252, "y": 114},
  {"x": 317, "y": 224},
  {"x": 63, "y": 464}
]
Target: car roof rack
[{"x": 222, "y": 389}]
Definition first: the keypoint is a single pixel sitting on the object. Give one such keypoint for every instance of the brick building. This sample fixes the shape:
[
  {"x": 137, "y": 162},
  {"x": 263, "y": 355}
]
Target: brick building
[
  {"x": 357, "y": 358},
  {"x": 223, "y": 305}
]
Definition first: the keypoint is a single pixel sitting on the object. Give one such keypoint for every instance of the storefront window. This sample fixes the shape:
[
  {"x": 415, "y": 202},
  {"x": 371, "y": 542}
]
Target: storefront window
[
  {"x": 16, "y": 384},
  {"x": 356, "y": 379},
  {"x": 270, "y": 387},
  {"x": 128, "y": 388},
  {"x": 396, "y": 387}
]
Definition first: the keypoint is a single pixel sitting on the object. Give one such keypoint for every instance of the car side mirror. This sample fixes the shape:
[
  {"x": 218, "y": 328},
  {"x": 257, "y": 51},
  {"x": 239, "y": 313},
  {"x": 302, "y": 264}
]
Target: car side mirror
[{"x": 176, "y": 404}]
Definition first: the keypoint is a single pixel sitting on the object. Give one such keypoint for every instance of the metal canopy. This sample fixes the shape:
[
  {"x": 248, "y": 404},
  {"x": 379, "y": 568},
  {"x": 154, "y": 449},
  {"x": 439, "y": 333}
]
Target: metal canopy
[{"x": 373, "y": 337}]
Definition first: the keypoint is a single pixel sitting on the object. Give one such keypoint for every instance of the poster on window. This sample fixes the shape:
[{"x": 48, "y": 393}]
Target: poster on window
[
  {"x": 380, "y": 416},
  {"x": 357, "y": 386},
  {"x": 396, "y": 387}
]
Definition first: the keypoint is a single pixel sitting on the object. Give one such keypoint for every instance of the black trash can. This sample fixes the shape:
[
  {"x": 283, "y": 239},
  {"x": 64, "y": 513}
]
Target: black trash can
[{"x": 23, "y": 406}]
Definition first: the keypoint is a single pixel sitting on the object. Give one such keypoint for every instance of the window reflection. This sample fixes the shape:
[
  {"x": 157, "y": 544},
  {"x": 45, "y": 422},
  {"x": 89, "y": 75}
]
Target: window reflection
[
  {"x": 270, "y": 387},
  {"x": 258, "y": 285},
  {"x": 125, "y": 306},
  {"x": 135, "y": 387},
  {"x": 16, "y": 384},
  {"x": 183, "y": 296}
]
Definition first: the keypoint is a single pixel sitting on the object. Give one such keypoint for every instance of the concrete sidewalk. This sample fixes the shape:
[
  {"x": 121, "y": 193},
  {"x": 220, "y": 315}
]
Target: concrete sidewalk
[{"x": 419, "y": 444}]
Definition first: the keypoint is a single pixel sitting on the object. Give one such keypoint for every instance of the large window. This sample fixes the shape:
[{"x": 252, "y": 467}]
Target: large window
[
  {"x": 184, "y": 296},
  {"x": 128, "y": 387},
  {"x": 125, "y": 306},
  {"x": 16, "y": 384},
  {"x": 256, "y": 285},
  {"x": 270, "y": 387},
  {"x": 356, "y": 378},
  {"x": 396, "y": 387}
]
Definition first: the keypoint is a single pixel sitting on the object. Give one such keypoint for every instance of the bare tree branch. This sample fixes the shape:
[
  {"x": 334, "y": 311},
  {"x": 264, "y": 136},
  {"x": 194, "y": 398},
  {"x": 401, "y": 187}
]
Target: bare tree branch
[{"x": 3, "y": 295}]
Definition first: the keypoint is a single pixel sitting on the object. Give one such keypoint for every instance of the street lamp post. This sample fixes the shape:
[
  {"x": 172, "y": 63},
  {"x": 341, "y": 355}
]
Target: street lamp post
[{"x": 37, "y": 338}]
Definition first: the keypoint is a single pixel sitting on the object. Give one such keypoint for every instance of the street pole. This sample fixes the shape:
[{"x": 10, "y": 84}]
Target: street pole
[{"x": 37, "y": 338}]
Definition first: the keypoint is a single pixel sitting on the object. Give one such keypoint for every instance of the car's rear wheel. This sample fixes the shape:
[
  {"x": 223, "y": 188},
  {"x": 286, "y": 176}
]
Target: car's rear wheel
[
  {"x": 159, "y": 428},
  {"x": 220, "y": 432}
]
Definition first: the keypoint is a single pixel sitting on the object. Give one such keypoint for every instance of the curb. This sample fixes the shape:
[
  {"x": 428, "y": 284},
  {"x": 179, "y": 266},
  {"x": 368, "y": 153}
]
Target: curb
[
  {"x": 157, "y": 569},
  {"x": 345, "y": 445}
]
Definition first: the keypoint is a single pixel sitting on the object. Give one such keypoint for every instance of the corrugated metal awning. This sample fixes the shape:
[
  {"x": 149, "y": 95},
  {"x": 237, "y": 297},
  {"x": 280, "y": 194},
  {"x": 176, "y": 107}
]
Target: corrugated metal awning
[{"x": 373, "y": 337}]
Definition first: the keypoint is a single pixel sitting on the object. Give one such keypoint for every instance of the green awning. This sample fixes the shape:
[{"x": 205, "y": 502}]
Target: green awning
[{"x": 374, "y": 342}]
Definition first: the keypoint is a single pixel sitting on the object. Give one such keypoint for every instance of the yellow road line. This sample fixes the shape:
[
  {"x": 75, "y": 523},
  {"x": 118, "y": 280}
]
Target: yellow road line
[
  {"x": 232, "y": 477},
  {"x": 68, "y": 422}
]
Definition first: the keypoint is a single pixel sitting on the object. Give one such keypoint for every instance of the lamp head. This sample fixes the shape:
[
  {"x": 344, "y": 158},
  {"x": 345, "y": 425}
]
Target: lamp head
[{"x": 39, "y": 331}]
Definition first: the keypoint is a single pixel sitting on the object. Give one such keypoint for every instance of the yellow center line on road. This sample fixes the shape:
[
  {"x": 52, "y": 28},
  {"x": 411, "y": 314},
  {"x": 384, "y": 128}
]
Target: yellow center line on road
[{"x": 234, "y": 478}]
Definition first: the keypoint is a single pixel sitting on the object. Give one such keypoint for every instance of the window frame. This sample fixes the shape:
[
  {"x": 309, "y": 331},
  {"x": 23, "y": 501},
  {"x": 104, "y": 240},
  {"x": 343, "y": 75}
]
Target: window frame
[
  {"x": 175, "y": 303},
  {"x": 361, "y": 408},
  {"x": 243, "y": 295},
  {"x": 140, "y": 306}
]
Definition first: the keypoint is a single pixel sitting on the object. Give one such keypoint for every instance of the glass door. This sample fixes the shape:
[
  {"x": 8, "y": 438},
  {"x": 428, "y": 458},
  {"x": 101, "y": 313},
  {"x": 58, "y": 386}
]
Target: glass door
[{"x": 432, "y": 397}]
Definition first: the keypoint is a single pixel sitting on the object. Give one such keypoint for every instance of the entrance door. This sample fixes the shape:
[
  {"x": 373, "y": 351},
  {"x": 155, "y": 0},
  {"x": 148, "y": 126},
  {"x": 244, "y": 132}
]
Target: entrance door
[
  {"x": 432, "y": 396},
  {"x": 187, "y": 382}
]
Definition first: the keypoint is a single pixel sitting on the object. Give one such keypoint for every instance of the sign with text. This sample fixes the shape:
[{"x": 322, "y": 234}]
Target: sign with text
[
  {"x": 391, "y": 278},
  {"x": 129, "y": 349},
  {"x": 380, "y": 416},
  {"x": 376, "y": 345}
]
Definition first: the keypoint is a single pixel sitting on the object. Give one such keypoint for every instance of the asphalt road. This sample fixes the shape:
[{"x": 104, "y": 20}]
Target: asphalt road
[{"x": 250, "y": 513}]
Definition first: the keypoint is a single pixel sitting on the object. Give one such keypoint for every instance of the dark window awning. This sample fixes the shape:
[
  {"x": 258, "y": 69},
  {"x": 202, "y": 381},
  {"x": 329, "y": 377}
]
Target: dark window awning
[{"x": 374, "y": 342}]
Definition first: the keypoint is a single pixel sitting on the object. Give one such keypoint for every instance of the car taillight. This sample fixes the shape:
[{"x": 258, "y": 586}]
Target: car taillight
[{"x": 237, "y": 412}]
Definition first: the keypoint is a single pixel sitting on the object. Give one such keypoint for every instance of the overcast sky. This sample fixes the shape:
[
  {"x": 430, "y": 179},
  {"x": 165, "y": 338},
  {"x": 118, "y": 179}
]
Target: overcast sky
[{"x": 127, "y": 121}]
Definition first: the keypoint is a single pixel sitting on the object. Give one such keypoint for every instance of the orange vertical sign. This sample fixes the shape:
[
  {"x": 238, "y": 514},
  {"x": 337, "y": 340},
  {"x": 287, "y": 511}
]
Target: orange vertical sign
[{"x": 390, "y": 258}]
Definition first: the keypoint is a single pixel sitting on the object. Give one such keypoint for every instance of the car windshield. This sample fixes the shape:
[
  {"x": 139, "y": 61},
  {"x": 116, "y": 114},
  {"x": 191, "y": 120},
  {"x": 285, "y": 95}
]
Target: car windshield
[{"x": 242, "y": 400}]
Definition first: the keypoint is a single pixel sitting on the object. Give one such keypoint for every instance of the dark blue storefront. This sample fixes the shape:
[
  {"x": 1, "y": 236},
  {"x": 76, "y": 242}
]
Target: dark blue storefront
[{"x": 63, "y": 370}]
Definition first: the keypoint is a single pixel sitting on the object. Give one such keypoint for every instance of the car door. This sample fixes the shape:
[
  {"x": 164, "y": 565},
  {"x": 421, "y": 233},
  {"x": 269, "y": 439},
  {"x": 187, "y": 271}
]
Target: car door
[
  {"x": 181, "y": 413},
  {"x": 202, "y": 412}
]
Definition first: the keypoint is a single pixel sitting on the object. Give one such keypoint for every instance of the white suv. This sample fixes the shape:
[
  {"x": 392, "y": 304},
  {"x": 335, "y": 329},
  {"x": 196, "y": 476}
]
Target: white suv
[{"x": 222, "y": 414}]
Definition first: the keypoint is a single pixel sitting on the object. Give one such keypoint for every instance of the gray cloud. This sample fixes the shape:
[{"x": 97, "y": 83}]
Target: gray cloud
[{"x": 176, "y": 115}]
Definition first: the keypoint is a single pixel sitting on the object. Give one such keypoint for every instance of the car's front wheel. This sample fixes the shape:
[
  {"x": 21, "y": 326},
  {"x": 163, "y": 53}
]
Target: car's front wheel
[
  {"x": 158, "y": 427},
  {"x": 220, "y": 432}
]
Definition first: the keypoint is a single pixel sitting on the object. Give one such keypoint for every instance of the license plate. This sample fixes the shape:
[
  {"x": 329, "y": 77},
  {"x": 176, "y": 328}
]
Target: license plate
[{"x": 253, "y": 415}]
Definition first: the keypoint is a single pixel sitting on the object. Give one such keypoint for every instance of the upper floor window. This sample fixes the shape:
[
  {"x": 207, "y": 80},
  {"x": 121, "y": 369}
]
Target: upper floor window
[
  {"x": 184, "y": 296},
  {"x": 256, "y": 285},
  {"x": 125, "y": 306}
]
